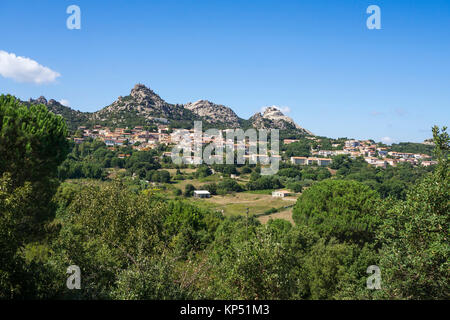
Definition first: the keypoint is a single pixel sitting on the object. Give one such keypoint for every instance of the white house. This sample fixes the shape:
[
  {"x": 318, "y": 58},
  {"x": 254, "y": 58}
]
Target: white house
[
  {"x": 202, "y": 194},
  {"x": 299, "y": 160},
  {"x": 310, "y": 161},
  {"x": 280, "y": 194},
  {"x": 324, "y": 161}
]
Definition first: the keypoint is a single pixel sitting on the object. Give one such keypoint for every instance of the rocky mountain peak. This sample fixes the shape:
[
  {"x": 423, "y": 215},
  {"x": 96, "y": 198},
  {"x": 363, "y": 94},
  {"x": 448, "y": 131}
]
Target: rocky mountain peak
[
  {"x": 141, "y": 92},
  {"x": 214, "y": 113},
  {"x": 140, "y": 89},
  {"x": 40, "y": 100},
  {"x": 144, "y": 106},
  {"x": 272, "y": 111},
  {"x": 273, "y": 117},
  {"x": 199, "y": 104},
  {"x": 139, "y": 86},
  {"x": 142, "y": 102}
]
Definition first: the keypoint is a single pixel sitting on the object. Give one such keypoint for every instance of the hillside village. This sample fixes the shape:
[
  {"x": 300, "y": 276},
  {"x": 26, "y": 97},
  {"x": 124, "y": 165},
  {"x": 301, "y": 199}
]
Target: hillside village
[
  {"x": 117, "y": 187},
  {"x": 133, "y": 138},
  {"x": 144, "y": 140},
  {"x": 224, "y": 159},
  {"x": 116, "y": 126}
]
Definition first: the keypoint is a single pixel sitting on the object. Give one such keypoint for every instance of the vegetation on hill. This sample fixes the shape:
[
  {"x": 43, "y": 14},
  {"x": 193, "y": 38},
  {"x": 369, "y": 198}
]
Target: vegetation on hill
[
  {"x": 135, "y": 242},
  {"x": 410, "y": 147},
  {"x": 389, "y": 182},
  {"x": 32, "y": 145}
]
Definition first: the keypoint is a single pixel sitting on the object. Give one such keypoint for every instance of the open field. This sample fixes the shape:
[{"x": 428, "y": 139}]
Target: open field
[
  {"x": 258, "y": 201},
  {"x": 197, "y": 183},
  {"x": 285, "y": 215},
  {"x": 236, "y": 204},
  {"x": 113, "y": 172},
  {"x": 185, "y": 171}
]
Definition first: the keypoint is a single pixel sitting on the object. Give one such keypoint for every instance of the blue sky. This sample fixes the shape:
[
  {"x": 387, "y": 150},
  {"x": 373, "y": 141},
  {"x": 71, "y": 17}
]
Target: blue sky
[{"x": 315, "y": 57}]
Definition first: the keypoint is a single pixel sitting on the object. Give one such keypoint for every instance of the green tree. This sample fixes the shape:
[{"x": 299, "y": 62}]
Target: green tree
[
  {"x": 107, "y": 229},
  {"x": 33, "y": 141},
  {"x": 296, "y": 186},
  {"x": 12, "y": 202},
  {"x": 416, "y": 250},
  {"x": 211, "y": 187},
  {"x": 228, "y": 185},
  {"x": 251, "y": 264},
  {"x": 203, "y": 172},
  {"x": 189, "y": 190},
  {"x": 32, "y": 145},
  {"x": 338, "y": 270},
  {"x": 301, "y": 148},
  {"x": 339, "y": 208}
]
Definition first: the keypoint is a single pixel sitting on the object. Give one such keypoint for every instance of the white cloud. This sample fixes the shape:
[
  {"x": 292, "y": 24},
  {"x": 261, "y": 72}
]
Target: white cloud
[
  {"x": 387, "y": 140},
  {"x": 24, "y": 69},
  {"x": 285, "y": 109},
  {"x": 282, "y": 109},
  {"x": 65, "y": 102}
]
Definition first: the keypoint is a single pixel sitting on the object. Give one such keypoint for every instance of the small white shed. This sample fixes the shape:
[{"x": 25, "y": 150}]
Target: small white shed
[{"x": 202, "y": 194}]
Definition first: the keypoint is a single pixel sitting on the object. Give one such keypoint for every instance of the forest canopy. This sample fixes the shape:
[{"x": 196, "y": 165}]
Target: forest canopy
[{"x": 136, "y": 242}]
